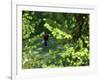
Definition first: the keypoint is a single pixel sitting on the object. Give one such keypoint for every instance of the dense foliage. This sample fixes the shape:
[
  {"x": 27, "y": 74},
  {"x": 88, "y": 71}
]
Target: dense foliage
[{"x": 68, "y": 39}]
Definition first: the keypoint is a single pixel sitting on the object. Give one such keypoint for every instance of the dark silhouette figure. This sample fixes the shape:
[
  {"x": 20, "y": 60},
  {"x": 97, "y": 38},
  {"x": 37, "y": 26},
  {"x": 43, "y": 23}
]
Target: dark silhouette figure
[{"x": 46, "y": 36}]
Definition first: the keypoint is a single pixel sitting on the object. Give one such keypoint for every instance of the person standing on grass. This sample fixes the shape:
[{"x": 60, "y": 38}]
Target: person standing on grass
[{"x": 45, "y": 37}]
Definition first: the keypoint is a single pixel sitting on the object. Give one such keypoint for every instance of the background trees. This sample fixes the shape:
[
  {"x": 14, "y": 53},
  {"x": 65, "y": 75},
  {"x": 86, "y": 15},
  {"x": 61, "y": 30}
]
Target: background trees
[{"x": 68, "y": 41}]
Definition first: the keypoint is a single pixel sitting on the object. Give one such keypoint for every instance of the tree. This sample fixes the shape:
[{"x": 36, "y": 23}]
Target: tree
[{"x": 68, "y": 43}]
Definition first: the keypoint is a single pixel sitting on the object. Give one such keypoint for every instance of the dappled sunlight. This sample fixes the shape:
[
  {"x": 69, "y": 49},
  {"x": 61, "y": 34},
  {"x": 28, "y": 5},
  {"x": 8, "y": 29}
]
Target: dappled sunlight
[{"x": 67, "y": 44}]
